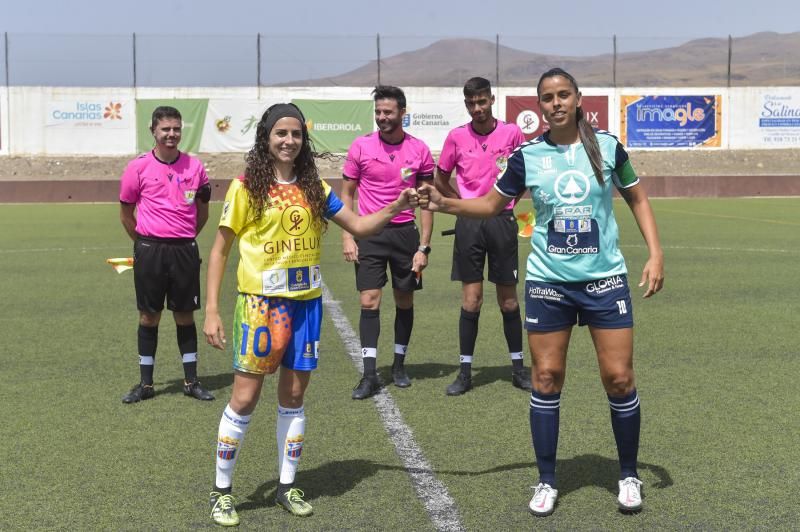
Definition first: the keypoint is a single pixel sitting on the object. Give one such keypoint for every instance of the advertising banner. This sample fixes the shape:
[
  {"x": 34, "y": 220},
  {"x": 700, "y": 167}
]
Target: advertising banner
[
  {"x": 525, "y": 112},
  {"x": 69, "y": 121},
  {"x": 230, "y": 125},
  {"x": 765, "y": 117},
  {"x": 88, "y": 113},
  {"x": 193, "y": 112},
  {"x": 432, "y": 121},
  {"x": 334, "y": 124},
  {"x": 662, "y": 121}
]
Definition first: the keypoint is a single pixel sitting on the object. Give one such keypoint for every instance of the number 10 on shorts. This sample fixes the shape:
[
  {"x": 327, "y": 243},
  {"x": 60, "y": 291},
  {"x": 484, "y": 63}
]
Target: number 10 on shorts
[
  {"x": 623, "y": 308},
  {"x": 257, "y": 340}
]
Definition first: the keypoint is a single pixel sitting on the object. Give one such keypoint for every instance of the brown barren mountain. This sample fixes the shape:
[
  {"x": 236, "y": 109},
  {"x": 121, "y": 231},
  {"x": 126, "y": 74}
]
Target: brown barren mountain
[{"x": 761, "y": 59}]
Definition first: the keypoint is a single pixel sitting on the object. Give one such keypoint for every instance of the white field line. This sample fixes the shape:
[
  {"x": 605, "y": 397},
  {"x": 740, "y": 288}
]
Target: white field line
[
  {"x": 712, "y": 248},
  {"x": 440, "y": 506},
  {"x": 54, "y": 250}
]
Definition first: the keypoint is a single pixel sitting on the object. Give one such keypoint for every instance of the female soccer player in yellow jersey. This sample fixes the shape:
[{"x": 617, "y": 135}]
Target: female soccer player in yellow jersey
[{"x": 278, "y": 210}]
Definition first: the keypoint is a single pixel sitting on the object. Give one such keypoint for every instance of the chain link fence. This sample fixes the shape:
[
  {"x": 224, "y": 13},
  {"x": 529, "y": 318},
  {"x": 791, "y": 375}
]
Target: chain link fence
[{"x": 153, "y": 60}]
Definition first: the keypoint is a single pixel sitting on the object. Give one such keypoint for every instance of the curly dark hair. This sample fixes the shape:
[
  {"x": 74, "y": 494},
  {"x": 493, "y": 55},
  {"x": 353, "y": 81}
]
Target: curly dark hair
[{"x": 259, "y": 174}]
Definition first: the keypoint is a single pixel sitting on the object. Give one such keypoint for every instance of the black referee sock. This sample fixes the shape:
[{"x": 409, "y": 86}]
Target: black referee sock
[
  {"x": 403, "y": 323},
  {"x": 187, "y": 345},
  {"x": 467, "y": 331},
  {"x": 369, "y": 328},
  {"x": 512, "y": 328},
  {"x": 147, "y": 340}
]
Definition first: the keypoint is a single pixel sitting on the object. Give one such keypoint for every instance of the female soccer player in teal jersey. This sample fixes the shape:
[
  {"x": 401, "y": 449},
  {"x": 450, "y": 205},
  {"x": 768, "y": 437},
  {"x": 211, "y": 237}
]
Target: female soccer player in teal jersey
[{"x": 575, "y": 271}]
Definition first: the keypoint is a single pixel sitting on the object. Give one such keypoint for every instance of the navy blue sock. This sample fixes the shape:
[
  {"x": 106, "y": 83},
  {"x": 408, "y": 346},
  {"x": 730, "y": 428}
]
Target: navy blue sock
[
  {"x": 544, "y": 418},
  {"x": 626, "y": 420}
]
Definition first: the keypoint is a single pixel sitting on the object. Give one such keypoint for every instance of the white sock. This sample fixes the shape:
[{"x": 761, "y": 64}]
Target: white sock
[
  {"x": 290, "y": 431},
  {"x": 232, "y": 428}
]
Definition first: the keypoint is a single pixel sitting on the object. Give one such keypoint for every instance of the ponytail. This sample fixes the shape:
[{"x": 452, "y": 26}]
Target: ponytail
[{"x": 590, "y": 144}]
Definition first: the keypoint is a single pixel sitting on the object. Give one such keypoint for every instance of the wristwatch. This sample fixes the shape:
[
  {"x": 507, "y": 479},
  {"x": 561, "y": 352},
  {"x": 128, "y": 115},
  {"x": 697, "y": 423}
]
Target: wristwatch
[{"x": 425, "y": 249}]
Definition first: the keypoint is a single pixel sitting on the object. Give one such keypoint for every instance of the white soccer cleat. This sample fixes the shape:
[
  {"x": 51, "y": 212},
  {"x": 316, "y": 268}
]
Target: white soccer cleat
[
  {"x": 630, "y": 495},
  {"x": 544, "y": 500}
]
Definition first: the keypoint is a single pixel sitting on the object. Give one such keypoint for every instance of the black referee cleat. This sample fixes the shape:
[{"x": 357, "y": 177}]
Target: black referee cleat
[
  {"x": 140, "y": 392},
  {"x": 461, "y": 385},
  {"x": 521, "y": 378},
  {"x": 367, "y": 387},
  {"x": 193, "y": 389},
  {"x": 400, "y": 377}
]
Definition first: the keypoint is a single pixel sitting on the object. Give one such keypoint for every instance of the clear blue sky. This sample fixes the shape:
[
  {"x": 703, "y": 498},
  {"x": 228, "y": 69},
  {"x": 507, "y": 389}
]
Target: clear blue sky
[{"x": 310, "y": 38}]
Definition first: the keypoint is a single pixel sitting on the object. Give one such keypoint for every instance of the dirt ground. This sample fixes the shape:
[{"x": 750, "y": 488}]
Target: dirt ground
[{"x": 229, "y": 165}]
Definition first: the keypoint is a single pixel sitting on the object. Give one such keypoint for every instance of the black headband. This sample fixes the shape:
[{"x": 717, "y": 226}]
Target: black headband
[{"x": 281, "y": 110}]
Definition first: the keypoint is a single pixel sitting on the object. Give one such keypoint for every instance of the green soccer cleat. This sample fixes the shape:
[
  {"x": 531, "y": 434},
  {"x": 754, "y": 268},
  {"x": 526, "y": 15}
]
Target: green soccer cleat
[
  {"x": 223, "y": 511},
  {"x": 293, "y": 501}
]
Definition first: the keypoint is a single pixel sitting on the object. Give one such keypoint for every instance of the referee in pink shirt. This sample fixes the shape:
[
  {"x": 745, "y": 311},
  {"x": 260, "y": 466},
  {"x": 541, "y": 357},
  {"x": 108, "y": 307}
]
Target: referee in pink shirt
[
  {"x": 477, "y": 152},
  {"x": 164, "y": 197},
  {"x": 379, "y": 166}
]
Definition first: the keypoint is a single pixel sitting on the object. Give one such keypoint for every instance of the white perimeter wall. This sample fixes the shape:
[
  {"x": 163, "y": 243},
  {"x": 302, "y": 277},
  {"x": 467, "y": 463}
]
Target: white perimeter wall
[{"x": 70, "y": 121}]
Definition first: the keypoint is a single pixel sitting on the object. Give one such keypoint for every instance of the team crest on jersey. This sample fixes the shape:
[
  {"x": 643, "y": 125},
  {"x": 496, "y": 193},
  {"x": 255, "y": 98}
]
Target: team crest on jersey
[
  {"x": 294, "y": 447},
  {"x": 405, "y": 173},
  {"x": 226, "y": 447},
  {"x": 502, "y": 164},
  {"x": 189, "y": 195},
  {"x": 295, "y": 220}
]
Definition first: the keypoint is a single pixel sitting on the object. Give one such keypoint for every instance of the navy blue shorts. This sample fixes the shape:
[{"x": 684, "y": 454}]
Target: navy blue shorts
[{"x": 602, "y": 303}]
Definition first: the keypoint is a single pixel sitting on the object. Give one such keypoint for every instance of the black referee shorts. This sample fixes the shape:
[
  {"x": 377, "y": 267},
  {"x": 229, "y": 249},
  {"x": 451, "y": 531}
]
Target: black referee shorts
[
  {"x": 166, "y": 268},
  {"x": 394, "y": 246},
  {"x": 476, "y": 239}
]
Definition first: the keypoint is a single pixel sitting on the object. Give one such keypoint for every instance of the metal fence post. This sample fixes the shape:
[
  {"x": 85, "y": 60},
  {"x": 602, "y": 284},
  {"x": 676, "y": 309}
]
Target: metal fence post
[
  {"x": 378, "y": 50},
  {"x": 614, "y": 63},
  {"x": 258, "y": 65},
  {"x": 134, "y": 63},
  {"x": 730, "y": 56}
]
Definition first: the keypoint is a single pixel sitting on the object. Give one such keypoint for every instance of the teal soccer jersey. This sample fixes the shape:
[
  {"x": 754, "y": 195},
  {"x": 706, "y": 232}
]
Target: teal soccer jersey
[{"x": 576, "y": 236}]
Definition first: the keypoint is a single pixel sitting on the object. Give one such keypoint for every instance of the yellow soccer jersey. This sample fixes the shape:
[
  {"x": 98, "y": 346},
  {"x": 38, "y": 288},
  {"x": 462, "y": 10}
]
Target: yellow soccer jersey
[{"x": 279, "y": 254}]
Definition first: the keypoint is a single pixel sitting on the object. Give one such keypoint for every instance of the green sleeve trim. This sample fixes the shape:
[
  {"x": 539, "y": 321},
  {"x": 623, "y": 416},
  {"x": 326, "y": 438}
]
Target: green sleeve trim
[{"x": 626, "y": 174}]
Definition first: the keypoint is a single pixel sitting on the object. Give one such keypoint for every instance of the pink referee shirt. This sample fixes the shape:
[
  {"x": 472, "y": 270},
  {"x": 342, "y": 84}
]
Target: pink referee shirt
[
  {"x": 383, "y": 170},
  {"x": 164, "y": 194},
  {"x": 479, "y": 159}
]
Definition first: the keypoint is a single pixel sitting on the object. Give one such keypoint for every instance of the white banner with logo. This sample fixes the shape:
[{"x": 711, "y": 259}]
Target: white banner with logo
[
  {"x": 432, "y": 121},
  {"x": 231, "y": 124},
  {"x": 765, "y": 117},
  {"x": 71, "y": 121},
  {"x": 3, "y": 121}
]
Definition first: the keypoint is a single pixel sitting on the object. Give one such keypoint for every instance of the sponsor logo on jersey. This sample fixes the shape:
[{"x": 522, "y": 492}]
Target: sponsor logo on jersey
[
  {"x": 316, "y": 276},
  {"x": 539, "y": 292},
  {"x": 300, "y": 279},
  {"x": 605, "y": 285},
  {"x": 273, "y": 282},
  {"x": 572, "y": 187}
]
